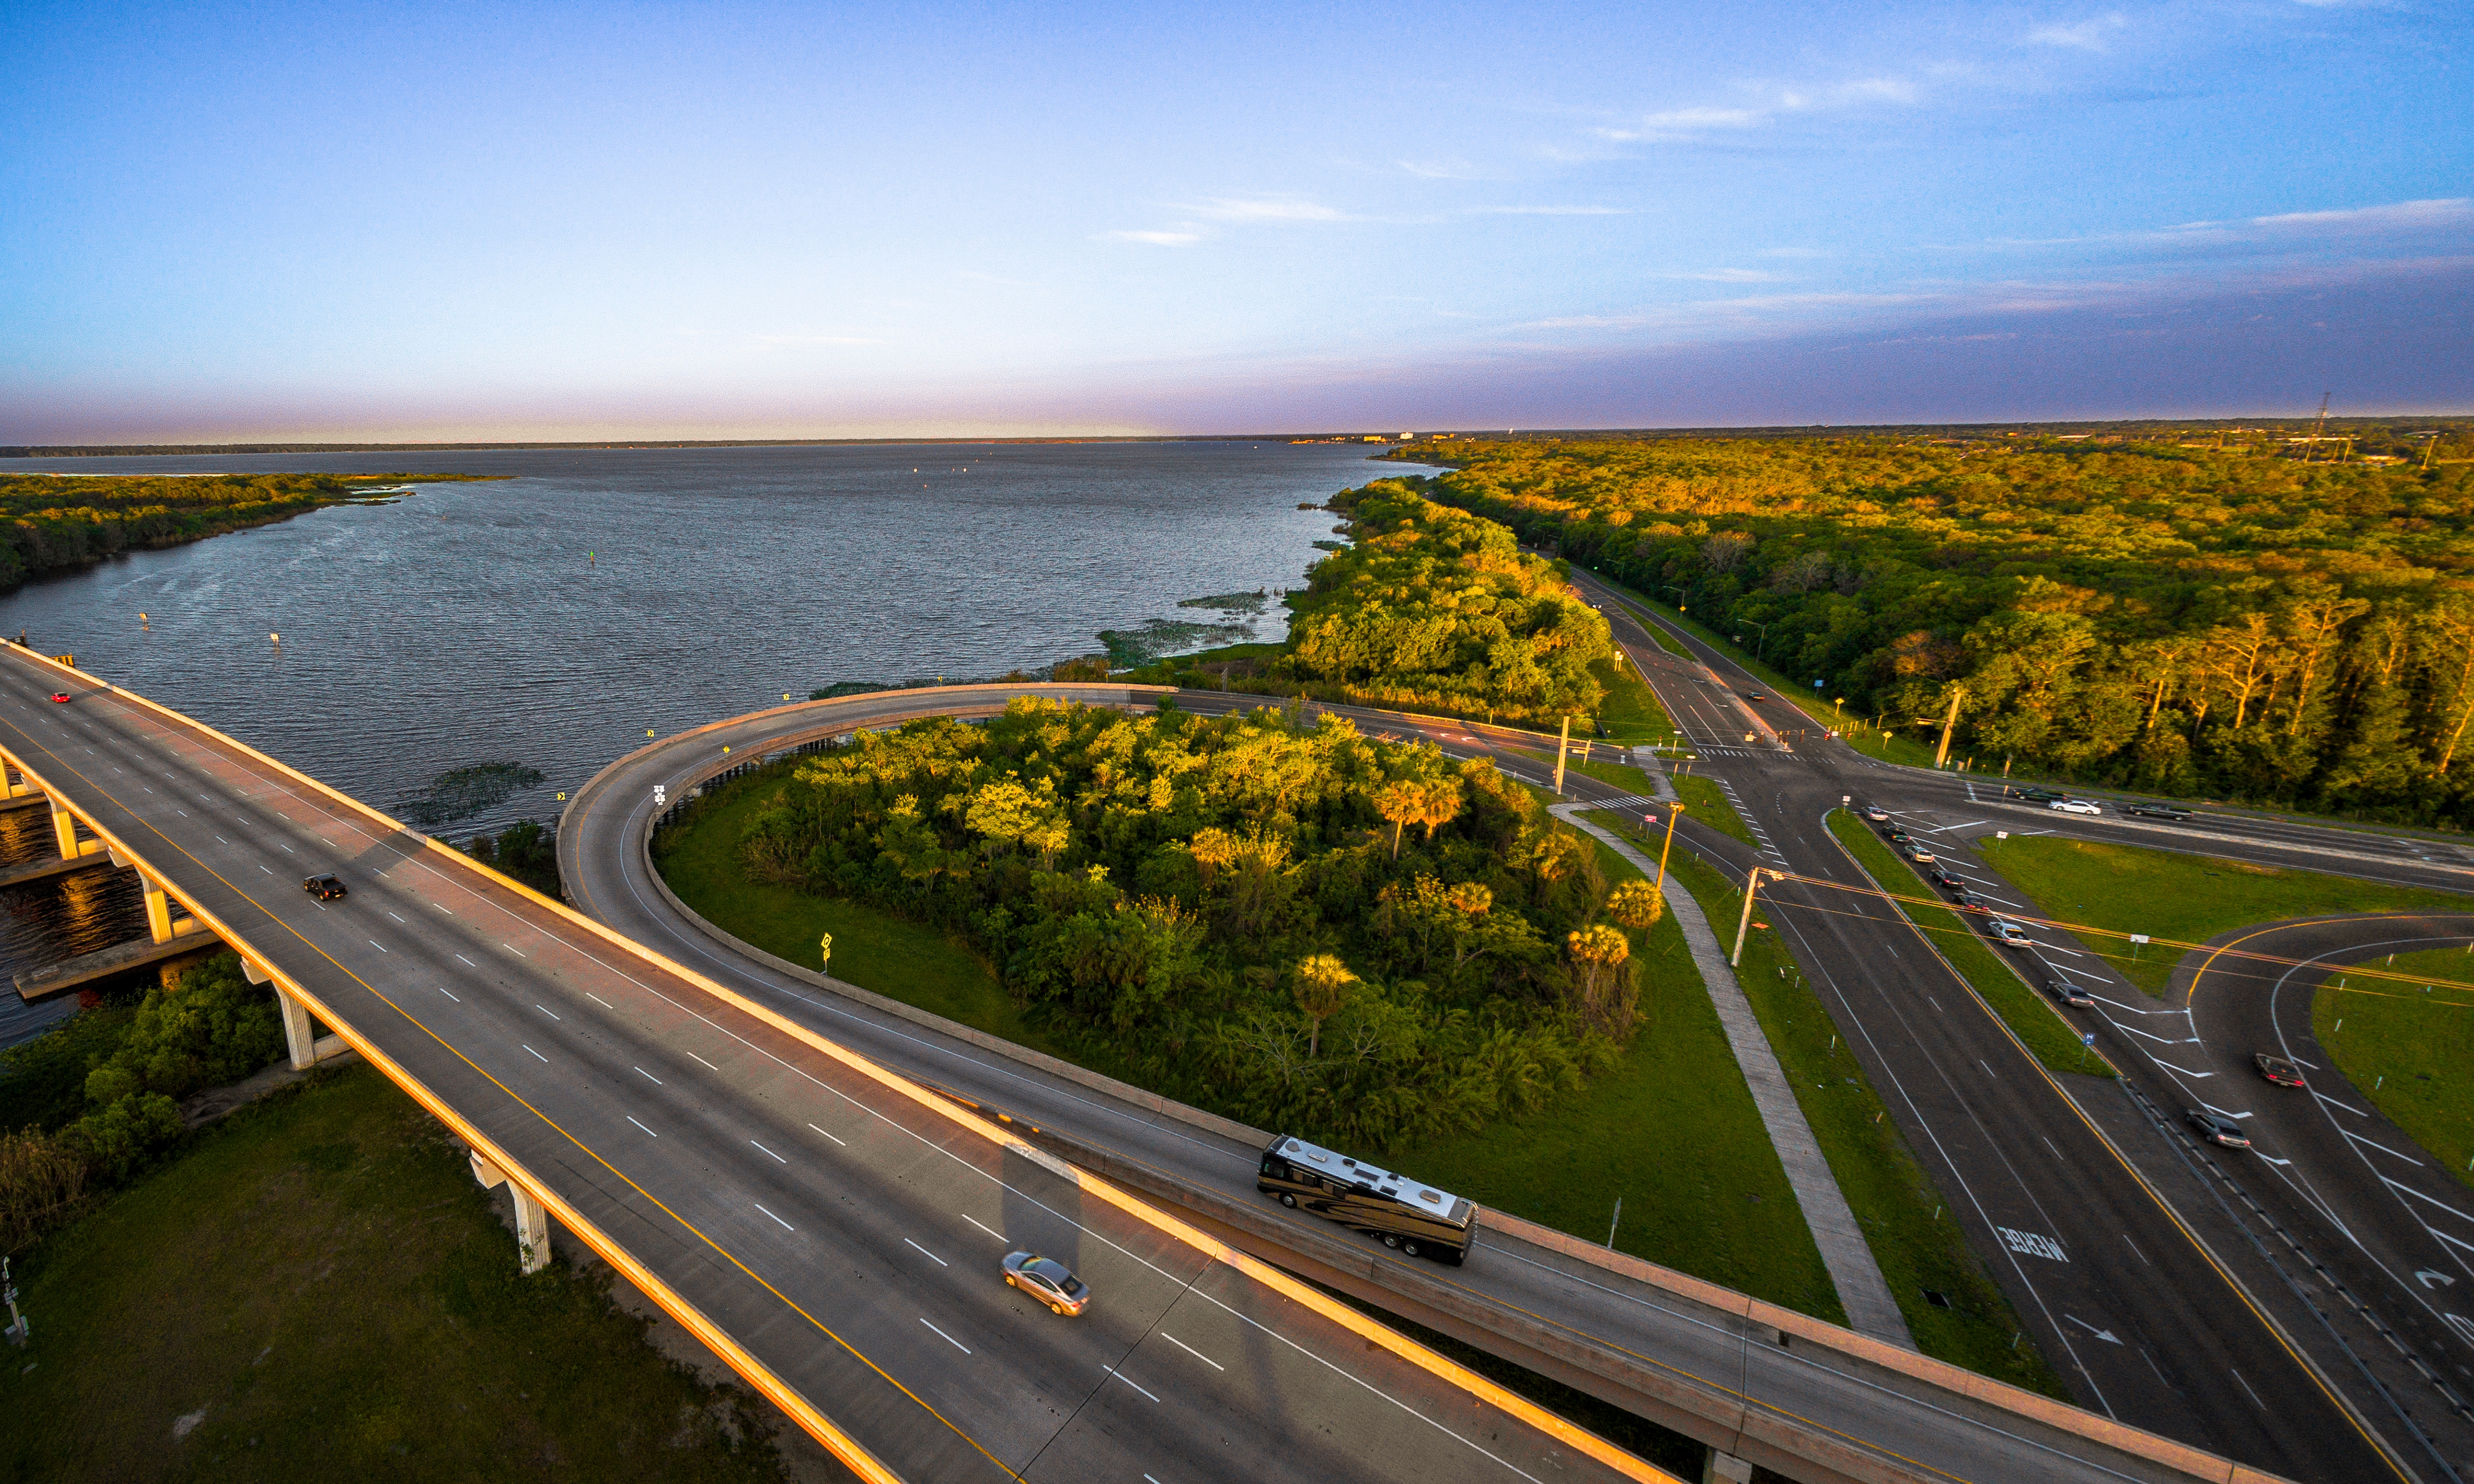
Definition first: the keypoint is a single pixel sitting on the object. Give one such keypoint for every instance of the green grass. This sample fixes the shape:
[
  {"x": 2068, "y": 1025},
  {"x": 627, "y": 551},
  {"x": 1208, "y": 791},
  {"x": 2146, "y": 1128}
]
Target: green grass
[
  {"x": 1672, "y": 1130},
  {"x": 1704, "y": 800},
  {"x": 874, "y": 950},
  {"x": 2054, "y": 1039},
  {"x": 2116, "y": 890},
  {"x": 2409, "y": 1050},
  {"x": 1914, "y": 1238},
  {"x": 1631, "y": 712},
  {"x": 321, "y": 1274}
]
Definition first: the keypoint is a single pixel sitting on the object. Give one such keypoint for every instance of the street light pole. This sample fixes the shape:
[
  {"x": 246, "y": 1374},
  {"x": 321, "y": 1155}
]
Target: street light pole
[
  {"x": 1752, "y": 885},
  {"x": 1674, "y": 813},
  {"x": 1761, "y": 649}
]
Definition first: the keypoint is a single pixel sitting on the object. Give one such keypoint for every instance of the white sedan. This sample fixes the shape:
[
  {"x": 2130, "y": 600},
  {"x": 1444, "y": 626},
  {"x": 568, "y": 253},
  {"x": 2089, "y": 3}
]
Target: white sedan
[{"x": 2075, "y": 807}]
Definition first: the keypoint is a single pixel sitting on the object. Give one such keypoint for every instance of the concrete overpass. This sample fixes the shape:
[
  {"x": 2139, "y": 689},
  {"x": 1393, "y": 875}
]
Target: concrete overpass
[
  {"x": 1805, "y": 1398},
  {"x": 829, "y": 1227}
]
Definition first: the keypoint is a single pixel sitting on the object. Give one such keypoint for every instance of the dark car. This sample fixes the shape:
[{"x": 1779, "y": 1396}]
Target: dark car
[
  {"x": 61, "y": 696},
  {"x": 1894, "y": 836},
  {"x": 1047, "y": 1281},
  {"x": 2042, "y": 796},
  {"x": 1755, "y": 696},
  {"x": 2156, "y": 812},
  {"x": 2217, "y": 1128},
  {"x": 326, "y": 888},
  {"x": 1943, "y": 877},
  {"x": 2071, "y": 994},
  {"x": 1965, "y": 900},
  {"x": 2279, "y": 1070}
]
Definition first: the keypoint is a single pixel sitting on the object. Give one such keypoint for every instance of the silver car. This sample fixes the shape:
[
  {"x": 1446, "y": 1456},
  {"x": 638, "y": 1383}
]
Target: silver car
[{"x": 1048, "y": 1281}]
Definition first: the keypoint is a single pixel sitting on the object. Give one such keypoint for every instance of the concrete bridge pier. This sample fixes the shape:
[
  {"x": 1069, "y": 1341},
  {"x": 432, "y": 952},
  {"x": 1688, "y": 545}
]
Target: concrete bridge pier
[
  {"x": 1726, "y": 1469},
  {"x": 64, "y": 833},
  {"x": 532, "y": 1220},
  {"x": 159, "y": 920},
  {"x": 300, "y": 1039}
]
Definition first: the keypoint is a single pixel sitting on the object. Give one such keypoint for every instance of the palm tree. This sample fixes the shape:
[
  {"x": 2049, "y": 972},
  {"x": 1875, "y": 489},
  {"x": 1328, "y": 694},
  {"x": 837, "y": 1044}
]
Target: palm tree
[{"x": 1323, "y": 987}]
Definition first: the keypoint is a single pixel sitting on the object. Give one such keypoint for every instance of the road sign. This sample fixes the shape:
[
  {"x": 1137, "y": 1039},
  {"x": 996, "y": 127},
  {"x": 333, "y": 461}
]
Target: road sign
[
  {"x": 2087, "y": 1037},
  {"x": 2139, "y": 938}
]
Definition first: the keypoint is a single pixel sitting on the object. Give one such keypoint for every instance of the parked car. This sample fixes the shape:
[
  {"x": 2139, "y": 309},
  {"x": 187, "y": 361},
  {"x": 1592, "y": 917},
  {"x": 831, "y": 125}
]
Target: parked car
[
  {"x": 2217, "y": 1128},
  {"x": 1920, "y": 853},
  {"x": 2040, "y": 796},
  {"x": 2007, "y": 933},
  {"x": 1048, "y": 1282},
  {"x": 2156, "y": 812},
  {"x": 326, "y": 888},
  {"x": 2075, "y": 807},
  {"x": 1876, "y": 813},
  {"x": 2279, "y": 1070}
]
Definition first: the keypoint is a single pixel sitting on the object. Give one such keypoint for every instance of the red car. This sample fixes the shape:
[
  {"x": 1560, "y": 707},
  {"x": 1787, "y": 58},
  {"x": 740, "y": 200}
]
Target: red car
[
  {"x": 61, "y": 696},
  {"x": 2278, "y": 1070}
]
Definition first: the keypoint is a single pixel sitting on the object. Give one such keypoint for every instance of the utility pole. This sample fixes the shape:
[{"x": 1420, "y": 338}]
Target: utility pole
[
  {"x": 1561, "y": 747},
  {"x": 1752, "y": 885},
  {"x": 2315, "y": 428},
  {"x": 1949, "y": 724},
  {"x": 1675, "y": 811},
  {"x": 2430, "y": 442}
]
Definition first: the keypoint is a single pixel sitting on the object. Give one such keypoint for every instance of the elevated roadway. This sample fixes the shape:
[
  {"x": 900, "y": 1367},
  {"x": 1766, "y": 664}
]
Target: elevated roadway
[
  {"x": 2085, "y": 1209},
  {"x": 1811, "y": 1401},
  {"x": 827, "y": 1227}
]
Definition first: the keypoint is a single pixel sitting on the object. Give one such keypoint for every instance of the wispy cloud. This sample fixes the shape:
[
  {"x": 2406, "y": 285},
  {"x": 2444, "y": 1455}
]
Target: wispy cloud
[
  {"x": 1547, "y": 212},
  {"x": 1264, "y": 208},
  {"x": 2088, "y": 35},
  {"x": 802, "y": 342},
  {"x": 1791, "y": 251},
  {"x": 1680, "y": 125},
  {"x": 1732, "y": 276},
  {"x": 1153, "y": 238},
  {"x": 2396, "y": 216}
]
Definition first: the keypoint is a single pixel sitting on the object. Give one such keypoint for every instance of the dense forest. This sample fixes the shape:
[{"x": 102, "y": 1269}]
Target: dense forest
[
  {"x": 53, "y": 523},
  {"x": 1431, "y": 609},
  {"x": 1291, "y": 922},
  {"x": 2247, "y": 623}
]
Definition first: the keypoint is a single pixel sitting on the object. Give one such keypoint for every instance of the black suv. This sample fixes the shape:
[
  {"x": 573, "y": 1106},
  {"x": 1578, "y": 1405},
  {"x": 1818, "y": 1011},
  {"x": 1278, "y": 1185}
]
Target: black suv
[
  {"x": 325, "y": 889},
  {"x": 2042, "y": 796},
  {"x": 2156, "y": 812},
  {"x": 1945, "y": 879}
]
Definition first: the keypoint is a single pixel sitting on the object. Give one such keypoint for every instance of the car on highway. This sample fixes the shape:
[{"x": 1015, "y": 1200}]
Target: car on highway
[
  {"x": 2279, "y": 1070},
  {"x": 326, "y": 887},
  {"x": 2071, "y": 994},
  {"x": 2217, "y": 1128},
  {"x": 1876, "y": 813},
  {"x": 1943, "y": 877},
  {"x": 1895, "y": 835},
  {"x": 2041, "y": 795},
  {"x": 1920, "y": 853},
  {"x": 1048, "y": 1282},
  {"x": 2007, "y": 933},
  {"x": 2075, "y": 807},
  {"x": 1755, "y": 696},
  {"x": 1967, "y": 901},
  {"x": 61, "y": 696},
  {"x": 2156, "y": 812}
]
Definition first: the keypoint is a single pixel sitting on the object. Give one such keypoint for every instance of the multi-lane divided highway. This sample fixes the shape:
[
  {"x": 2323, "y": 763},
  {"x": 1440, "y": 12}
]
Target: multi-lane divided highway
[{"x": 2240, "y": 1306}]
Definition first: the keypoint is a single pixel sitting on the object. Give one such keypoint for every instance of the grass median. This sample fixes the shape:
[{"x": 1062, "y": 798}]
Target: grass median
[
  {"x": 1631, "y": 712},
  {"x": 317, "y": 1289},
  {"x": 1704, "y": 800},
  {"x": 1914, "y": 1236},
  {"x": 2034, "y": 1019},
  {"x": 1672, "y": 1130},
  {"x": 2410, "y": 1049},
  {"x": 2111, "y": 891}
]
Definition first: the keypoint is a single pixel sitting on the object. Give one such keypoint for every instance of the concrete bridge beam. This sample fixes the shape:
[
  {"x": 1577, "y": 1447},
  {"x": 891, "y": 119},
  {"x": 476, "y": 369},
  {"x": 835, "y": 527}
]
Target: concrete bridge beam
[
  {"x": 64, "y": 835},
  {"x": 532, "y": 1222},
  {"x": 301, "y": 1038}
]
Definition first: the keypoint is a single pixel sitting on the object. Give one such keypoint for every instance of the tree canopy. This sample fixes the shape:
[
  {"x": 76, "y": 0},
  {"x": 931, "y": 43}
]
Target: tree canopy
[{"x": 2245, "y": 623}]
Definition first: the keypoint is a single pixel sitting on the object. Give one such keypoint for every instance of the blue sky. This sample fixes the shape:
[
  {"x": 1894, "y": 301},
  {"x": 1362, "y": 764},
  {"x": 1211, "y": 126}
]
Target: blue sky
[{"x": 226, "y": 222}]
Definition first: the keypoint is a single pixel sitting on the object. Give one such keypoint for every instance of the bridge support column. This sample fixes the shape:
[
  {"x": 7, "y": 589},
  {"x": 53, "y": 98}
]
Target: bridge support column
[
  {"x": 64, "y": 835},
  {"x": 532, "y": 1219},
  {"x": 18, "y": 786},
  {"x": 1726, "y": 1469}
]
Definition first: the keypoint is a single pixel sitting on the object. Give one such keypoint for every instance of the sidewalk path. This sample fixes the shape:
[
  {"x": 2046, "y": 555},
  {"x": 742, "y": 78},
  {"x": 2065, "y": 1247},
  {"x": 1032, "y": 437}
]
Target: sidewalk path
[{"x": 1871, "y": 1311}]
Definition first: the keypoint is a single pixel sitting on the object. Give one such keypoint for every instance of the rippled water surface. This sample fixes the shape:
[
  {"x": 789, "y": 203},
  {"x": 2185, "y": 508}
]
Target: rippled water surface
[{"x": 551, "y": 618}]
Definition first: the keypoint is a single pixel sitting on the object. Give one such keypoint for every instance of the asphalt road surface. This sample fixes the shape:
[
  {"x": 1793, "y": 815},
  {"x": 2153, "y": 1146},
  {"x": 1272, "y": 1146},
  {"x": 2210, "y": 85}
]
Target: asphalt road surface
[
  {"x": 844, "y": 1231},
  {"x": 2103, "y": 1228}
]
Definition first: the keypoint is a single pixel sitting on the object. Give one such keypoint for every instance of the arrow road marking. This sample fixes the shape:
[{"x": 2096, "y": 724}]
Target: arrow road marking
[
  {"x": 2428, "y": 1275},
  {"x": 2106, "y": 1335}
]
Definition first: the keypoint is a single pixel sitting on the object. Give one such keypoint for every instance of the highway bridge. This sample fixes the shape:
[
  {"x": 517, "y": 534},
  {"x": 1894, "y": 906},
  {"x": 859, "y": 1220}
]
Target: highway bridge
[
  {"x": 818, "y": 1182},
  {"x": 827, "y": 1227}
]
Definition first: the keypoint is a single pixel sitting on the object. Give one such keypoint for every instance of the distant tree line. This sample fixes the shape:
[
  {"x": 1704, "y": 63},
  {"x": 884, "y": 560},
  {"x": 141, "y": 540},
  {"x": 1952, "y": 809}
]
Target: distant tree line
[{"x": 2286, "y": 630}]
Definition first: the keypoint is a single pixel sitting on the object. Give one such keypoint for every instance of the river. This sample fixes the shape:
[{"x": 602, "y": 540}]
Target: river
[{"x": 552, "y": 619}]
